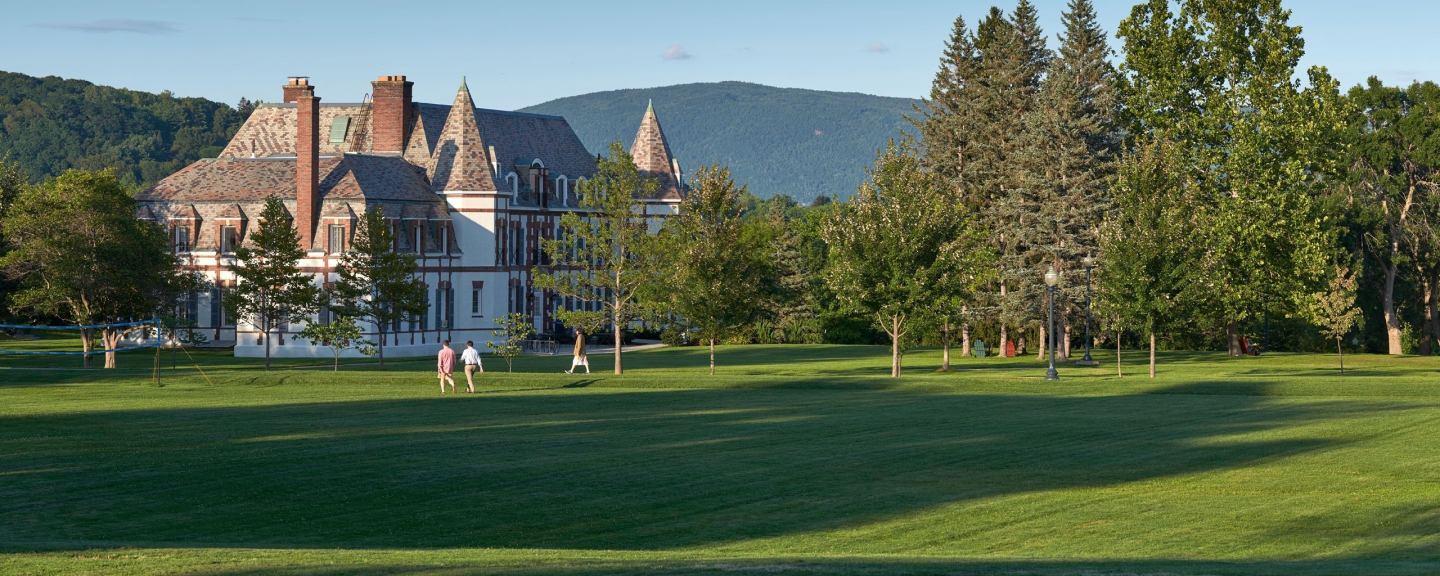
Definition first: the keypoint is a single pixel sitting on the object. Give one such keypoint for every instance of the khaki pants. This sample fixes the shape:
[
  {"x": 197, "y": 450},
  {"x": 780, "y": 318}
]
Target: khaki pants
[{"x": 470, "y": 377}]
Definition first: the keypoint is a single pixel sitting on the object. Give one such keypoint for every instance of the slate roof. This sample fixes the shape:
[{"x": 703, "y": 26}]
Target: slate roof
[
  {"x": 459, "y": 162},
  {"x": 347, "y": 176},
  {"x": 652, "y": 156},
  {"x": 270, "y": 131}
]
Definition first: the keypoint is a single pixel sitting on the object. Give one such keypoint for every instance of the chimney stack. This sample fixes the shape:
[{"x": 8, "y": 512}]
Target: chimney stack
[
  {"x": 295, "y": 87},
  {"x": 390, "y": 113},
  {"x": 307, "y": 163}
]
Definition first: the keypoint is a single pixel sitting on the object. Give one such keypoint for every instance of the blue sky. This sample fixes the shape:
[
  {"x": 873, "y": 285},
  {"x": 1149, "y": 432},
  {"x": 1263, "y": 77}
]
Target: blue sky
[{"x": 520, "y": 53}]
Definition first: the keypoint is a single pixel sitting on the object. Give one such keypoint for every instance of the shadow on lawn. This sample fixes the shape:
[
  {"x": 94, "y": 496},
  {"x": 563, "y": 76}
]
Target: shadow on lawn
[
  {"x": 615, "y": 470},
  {"x": 908, "y": 566}
]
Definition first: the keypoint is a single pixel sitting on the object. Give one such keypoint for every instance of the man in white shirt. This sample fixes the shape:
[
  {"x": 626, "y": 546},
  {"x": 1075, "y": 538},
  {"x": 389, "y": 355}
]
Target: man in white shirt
[{"x": 471, "y": 359}]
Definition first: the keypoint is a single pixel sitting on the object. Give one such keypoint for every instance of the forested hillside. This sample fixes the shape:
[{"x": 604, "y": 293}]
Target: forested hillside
[
  {"x": 50, "y": 124},
  {"x": 803, "y": 143}
]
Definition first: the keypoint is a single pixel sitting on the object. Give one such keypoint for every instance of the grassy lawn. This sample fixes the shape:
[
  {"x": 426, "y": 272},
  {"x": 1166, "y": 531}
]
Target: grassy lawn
[{"x": 793, "y": 458}]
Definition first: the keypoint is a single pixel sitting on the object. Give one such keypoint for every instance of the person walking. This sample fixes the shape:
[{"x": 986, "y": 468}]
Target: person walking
[
  {"x": 580, "y": 358},
  {"x": 446, "y": 366},
  {"x": 471, "y": 359}
]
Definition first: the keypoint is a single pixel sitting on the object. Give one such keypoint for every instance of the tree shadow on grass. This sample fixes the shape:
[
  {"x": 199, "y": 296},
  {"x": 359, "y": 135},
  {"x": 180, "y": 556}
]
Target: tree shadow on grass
[
  {"x": 633, "y": 470},
  {"x": 916, "y": 567}
]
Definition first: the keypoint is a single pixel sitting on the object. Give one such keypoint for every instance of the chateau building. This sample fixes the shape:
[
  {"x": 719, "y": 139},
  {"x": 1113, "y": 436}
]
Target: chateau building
[{"x": 470, "y": 192}]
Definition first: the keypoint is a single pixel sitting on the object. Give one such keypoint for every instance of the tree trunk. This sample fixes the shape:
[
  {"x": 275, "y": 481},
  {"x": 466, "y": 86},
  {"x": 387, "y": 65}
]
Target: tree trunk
[
  {"x": 381, "y": 348},
  {"x": 1119, "y": 372},
  {"x": 266, "y": 339},
  {"x": 1340, "y": 350},
  {"x": 1043, "y": 347},
  {"x": 1021, "y": 345},
  {"x": 110, "y": 338},
  {"x": 1004, "y": 334},
  {"x": 1392, "y": 320},
  {"x": 712, "y": 355},
  {"x": 618, "y": 368},
  {"x": 87, "y": 344},
  {"x": 1152, "y": 354},
  {"x": 965, "y": 335},
  {"x": 895, "y": 346},
  {"x": 337, "y": 362},
  {"x": 1433, "y": 308},
  {"x": 1232, "y": 337},
  {"x": 1424, "y": 333},
  {"x": 1062, "y": 352},
  {"x": 945, "y": 347}
]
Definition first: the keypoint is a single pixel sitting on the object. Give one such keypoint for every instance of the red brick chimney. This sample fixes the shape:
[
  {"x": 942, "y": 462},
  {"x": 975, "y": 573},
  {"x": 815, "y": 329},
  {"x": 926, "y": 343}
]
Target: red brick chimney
[
  {"x": 307, "y": 164},
  {"x": 295, "y": 86},
  {"x": 390, "y": 113}
]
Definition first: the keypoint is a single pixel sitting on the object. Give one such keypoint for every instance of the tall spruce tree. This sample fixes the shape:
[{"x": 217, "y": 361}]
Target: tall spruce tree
[
  {"x": 1068, "y": 161},
  {"x": 973, "y": 137},
  {"x": 1013, "y": 57}
]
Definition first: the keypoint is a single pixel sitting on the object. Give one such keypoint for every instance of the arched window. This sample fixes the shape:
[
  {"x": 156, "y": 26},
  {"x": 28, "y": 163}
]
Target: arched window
[
  {"x": 562, "y": 186},
  {"x": 514, "y": 181}
]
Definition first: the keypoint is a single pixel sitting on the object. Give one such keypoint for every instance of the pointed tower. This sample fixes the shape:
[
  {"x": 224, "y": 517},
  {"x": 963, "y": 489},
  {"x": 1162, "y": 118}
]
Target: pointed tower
[
  {"x": 459, "y": 162},
  {"x": 653, "y": 158}
]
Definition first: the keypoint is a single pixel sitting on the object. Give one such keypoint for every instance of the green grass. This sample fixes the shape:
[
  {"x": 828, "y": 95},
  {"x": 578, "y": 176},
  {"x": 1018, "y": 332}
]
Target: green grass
[{"x": 793, "y": 458}]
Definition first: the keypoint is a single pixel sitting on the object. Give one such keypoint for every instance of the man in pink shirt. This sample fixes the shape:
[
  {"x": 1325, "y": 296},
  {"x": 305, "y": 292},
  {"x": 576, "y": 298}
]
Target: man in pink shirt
[{"x": 446, "y": 366}]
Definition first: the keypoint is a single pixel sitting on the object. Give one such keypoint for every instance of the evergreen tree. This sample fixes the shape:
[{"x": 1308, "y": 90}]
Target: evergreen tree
[
  {"x": 270, "y": 289},
  {"x": 791, "y": 302},
  {"x": 973, "y": 134},
  {"x": 1068, "y": 162},
  {"x": 374, "y": 282}
]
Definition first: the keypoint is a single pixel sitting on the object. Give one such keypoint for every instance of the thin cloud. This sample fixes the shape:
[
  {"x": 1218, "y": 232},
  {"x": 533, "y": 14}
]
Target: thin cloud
[
  {"x": 252, "y": 19},
  {"x": 877, "y": 47},
  {"x": 675, "y": 52},
  {"x": 108, "y": 25}
]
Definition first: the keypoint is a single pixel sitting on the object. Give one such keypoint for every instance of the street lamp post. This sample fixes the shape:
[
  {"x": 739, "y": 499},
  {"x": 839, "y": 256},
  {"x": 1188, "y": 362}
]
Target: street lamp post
[
  {"x": 1051, "y": 279},
  {"x": 1089, "y": 262}
]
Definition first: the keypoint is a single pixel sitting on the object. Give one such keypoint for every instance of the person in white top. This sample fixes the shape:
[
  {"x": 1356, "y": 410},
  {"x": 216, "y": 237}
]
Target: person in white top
[{"x": 471, "y": 359}]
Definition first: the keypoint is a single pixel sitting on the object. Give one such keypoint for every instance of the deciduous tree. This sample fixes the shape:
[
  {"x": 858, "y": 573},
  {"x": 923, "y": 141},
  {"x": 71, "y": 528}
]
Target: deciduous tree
[
  {"x": 78, "y": 252},
  {"x": 720, "y": 270},
  {"x": 606, "y": 252},
  {"x": 1333, "y": 309},
  {"x": 899, "y": 248}
]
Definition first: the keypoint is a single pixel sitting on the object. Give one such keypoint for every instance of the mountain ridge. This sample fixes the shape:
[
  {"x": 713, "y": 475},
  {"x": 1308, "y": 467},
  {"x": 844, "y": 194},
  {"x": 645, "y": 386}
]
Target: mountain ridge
[{"x": 794, "y": 141}]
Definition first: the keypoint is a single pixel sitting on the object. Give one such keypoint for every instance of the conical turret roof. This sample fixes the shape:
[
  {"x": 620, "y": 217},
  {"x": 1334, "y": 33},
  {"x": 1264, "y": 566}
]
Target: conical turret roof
[
  {"x": 652, "y": 156},
  {"x": 459, "y": 162}
]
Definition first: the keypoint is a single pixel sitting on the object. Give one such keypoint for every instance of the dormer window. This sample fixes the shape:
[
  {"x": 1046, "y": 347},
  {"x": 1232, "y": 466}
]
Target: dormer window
[
  {"x": 181, "y": 241},
  {"x": 229, "y": 239},
  {"x": 337, "y": 240}
]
